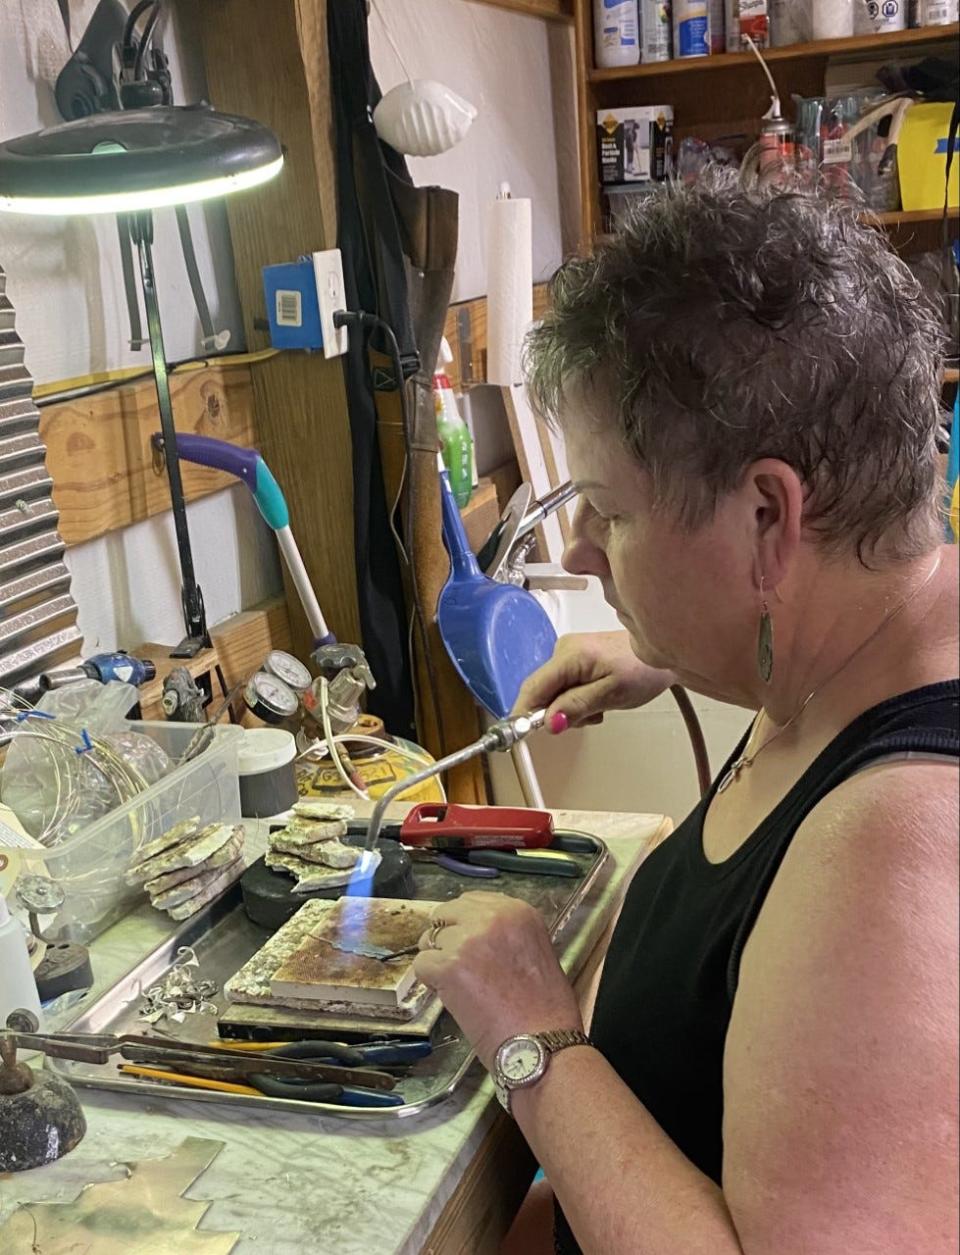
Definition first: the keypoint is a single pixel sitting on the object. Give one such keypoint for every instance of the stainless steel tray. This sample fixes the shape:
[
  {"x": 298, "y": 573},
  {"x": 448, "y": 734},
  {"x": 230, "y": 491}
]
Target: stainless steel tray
[{"x": 223, "y": 939}]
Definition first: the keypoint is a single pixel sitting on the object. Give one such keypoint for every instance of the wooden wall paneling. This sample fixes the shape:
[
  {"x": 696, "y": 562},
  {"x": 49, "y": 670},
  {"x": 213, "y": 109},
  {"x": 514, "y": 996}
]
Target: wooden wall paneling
[
  {"x": 240, "y": 644},
  {"x": 100, "y": 458},
  {"x": 586, "y": 121},
  {"x": 269, "y": 61},
  {"x": 552, "y": 10},
  {"x": 243, "y": 641}
]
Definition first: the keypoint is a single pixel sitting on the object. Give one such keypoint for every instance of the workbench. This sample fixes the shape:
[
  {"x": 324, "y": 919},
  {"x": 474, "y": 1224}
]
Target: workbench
[{"x": 448, "y": 1181}]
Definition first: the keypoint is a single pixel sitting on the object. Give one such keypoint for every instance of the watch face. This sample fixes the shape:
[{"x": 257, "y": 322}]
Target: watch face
[{"x": 520, "y": 1060}]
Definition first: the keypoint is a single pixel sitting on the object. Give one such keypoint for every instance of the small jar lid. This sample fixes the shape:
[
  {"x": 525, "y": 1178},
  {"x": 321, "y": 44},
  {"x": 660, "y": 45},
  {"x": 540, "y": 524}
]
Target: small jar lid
[{"x": 265, "y": 749}]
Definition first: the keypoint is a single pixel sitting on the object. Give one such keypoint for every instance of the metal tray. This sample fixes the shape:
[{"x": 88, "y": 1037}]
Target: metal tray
[{"x": 223, "y": 939}]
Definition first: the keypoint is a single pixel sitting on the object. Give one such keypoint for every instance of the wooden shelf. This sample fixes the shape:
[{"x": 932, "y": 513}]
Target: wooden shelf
[
  {"x": 551, "y": 10},
  {"x": 893, "y": 41},
  {"x": 951, "y": 375},
  {"x": 896, "y": 222},
  {"x": 903, "y": 218}
]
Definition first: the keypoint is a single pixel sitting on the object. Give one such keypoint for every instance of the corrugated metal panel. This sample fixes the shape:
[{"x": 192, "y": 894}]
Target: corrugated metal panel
[{"x": 38, "y": 616}]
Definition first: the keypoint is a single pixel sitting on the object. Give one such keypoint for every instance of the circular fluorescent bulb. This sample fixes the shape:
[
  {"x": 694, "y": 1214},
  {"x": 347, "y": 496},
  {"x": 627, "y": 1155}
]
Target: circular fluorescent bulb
[{"x": 137, "y": 160}]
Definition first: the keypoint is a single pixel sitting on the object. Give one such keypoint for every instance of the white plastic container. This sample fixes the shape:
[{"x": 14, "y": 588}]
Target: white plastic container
[
  {"x": 832, "y": 19},
  {"x": 616, "y": 33},
  {"x": 872, "y": 17},
  {"x": 935, "y": 12},
  {"x": 90, "y": 867},
  {"x": 268, "y": 777},
  {"x": 790, "y": 22},
  {"x": 18, "y": 989},
  {"x": 691, "y": 28}
]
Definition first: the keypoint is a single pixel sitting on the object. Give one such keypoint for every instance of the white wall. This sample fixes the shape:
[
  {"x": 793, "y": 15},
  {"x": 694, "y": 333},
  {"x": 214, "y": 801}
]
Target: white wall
[
  {"x": 518, "y": 72},
  {"x": 65, "y": 282}
]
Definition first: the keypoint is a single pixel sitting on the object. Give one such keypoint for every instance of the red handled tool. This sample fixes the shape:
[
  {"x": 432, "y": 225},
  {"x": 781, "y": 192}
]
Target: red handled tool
[{"x": 453, "y": 826}]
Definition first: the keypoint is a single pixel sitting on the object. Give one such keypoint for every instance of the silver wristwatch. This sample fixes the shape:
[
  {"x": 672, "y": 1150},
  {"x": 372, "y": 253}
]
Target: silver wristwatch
[{"x": 522, "y": 1060}]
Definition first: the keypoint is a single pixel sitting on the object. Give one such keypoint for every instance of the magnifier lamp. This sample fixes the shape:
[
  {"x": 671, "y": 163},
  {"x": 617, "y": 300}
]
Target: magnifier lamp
[{"x": 133, "y": 162}]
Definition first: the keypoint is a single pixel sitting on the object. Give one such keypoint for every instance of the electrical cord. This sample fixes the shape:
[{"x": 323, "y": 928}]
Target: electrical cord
[
  {"x": 331, "y": 741},
  {"x": 370, "y": 322},
  {"x": 146, "y": 39},
  {"x": 127, "y": 46},
  {"x": 695, "y": 733}
]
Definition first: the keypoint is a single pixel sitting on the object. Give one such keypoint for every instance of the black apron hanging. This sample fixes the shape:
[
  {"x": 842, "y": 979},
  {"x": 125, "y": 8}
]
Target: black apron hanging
[{"x": 375, "y": 281}]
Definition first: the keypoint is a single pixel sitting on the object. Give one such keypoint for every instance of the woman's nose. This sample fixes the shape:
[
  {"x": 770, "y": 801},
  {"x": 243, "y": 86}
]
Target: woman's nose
[{"x": 582, "y": 556}]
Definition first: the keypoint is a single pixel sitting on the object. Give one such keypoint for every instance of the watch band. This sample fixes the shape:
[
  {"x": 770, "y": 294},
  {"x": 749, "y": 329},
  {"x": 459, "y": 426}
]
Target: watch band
[{"x": 559, "y": 1038}]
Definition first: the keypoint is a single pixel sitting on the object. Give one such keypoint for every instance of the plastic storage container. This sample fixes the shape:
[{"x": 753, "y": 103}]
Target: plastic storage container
[
  {"x": 616, "y": 33},
  {"x": 90, "y": 867}
]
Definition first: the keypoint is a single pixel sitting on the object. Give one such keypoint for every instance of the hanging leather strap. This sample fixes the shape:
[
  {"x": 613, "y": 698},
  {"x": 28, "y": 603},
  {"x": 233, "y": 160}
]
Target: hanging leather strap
[{"x": 65, "y": 14}]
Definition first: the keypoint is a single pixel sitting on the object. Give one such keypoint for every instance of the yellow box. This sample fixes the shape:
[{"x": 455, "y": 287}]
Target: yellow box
[{"x": 922, "y": 158}]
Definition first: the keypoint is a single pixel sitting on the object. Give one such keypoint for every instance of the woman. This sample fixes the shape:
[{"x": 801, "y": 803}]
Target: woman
[{"x": 748, "y": 389}]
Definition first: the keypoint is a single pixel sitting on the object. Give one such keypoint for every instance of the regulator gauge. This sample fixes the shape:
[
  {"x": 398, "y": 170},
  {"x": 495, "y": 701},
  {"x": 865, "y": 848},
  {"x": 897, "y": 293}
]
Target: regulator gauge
[{"x": 270, "y": 699}]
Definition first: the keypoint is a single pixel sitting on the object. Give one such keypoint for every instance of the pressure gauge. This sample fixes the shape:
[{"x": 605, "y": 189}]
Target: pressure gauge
[
  {"x": 288, "y": 669},
  {"x": 270, "y": 699}
]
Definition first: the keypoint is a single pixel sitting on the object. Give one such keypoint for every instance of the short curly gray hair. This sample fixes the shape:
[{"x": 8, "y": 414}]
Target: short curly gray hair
[{"x": 729, "y": 326}]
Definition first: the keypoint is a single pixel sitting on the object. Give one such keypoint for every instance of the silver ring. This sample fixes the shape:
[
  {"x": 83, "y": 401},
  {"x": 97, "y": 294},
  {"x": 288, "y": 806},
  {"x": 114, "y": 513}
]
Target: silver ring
[{"x": 436, "y": 928}]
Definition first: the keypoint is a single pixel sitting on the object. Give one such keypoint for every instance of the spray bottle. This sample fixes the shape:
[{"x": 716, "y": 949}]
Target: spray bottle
[{"x": 456, "y": 443}]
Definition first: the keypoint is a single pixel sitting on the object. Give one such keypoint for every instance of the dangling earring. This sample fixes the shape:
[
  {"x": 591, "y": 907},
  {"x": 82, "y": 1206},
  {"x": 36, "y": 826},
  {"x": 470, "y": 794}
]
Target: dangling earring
[{"x": 765, "y": 640}]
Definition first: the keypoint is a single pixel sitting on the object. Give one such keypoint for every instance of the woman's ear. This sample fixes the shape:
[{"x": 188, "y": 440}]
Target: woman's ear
[{"x": 775, "y": 496}]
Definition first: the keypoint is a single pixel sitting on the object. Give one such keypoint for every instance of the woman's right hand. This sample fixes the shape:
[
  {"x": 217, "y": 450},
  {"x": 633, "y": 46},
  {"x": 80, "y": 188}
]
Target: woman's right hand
[{"x": 590, "y": 673}]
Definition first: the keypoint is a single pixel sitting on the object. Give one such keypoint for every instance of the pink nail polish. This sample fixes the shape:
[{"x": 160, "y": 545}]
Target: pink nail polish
[{"x": 559, "y": 723}]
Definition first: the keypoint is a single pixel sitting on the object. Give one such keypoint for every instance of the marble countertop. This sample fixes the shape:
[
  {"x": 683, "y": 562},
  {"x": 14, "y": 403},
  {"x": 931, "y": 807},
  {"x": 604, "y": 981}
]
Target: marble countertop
[{"x": 295, "y": 1183}]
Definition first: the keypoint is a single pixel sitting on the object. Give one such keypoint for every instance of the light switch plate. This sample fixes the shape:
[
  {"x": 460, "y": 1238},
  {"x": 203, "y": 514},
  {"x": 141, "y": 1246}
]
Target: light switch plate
[{"x": 328, "y": 270}]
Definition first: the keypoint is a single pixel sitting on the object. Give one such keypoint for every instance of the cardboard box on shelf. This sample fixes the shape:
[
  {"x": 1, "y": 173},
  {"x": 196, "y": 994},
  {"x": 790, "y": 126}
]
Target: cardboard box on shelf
[{"x": 635, "y": 144}]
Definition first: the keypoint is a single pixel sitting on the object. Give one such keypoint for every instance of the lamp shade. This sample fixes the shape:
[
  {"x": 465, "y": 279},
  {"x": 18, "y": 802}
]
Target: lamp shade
[{"x": 135, "y": 160}]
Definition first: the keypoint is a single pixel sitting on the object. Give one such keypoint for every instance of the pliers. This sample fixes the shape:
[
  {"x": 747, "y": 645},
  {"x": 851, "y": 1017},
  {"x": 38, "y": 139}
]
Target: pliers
[
  {"x": 488, "y": 864},
  {"x": 321, "y": 1054},
  {"x": 381, "y": 1054}
]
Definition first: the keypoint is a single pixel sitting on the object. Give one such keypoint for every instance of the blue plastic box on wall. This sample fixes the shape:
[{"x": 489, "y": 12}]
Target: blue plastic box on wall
[{"x": 293, "y": 311}]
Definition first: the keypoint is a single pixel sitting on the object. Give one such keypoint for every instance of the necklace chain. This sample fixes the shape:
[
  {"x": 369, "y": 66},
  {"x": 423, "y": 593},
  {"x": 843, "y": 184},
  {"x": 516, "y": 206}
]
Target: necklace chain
[{"x": 747, "y": 760}]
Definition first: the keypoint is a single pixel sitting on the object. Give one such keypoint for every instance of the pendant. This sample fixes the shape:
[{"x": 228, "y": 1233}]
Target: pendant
[
  {"x": 732, "y": 774},
  {"x": 765, "y": 646}
]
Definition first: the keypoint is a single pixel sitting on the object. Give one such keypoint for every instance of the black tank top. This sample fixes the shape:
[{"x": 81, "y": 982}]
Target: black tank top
[{"x": 670, "y": 976}]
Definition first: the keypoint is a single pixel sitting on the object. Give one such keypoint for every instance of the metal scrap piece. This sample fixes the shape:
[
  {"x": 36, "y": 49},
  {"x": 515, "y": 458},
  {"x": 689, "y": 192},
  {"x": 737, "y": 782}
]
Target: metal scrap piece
[{"x": 144, "y": 1212}]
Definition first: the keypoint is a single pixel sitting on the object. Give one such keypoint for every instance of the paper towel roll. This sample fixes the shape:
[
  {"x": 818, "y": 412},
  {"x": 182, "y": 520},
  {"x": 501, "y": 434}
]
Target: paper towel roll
[{"x": 509, "y": 286}]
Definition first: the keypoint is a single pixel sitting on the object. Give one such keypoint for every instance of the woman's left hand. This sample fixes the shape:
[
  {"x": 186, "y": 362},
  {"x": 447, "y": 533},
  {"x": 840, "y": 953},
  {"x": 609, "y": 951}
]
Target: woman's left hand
[{"x": 493, "y": 965}]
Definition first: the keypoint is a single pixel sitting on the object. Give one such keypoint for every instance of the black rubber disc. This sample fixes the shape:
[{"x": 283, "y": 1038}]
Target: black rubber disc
[
  {"x": 64, "y": 967},
  {"x": 269, "y": 900}
]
